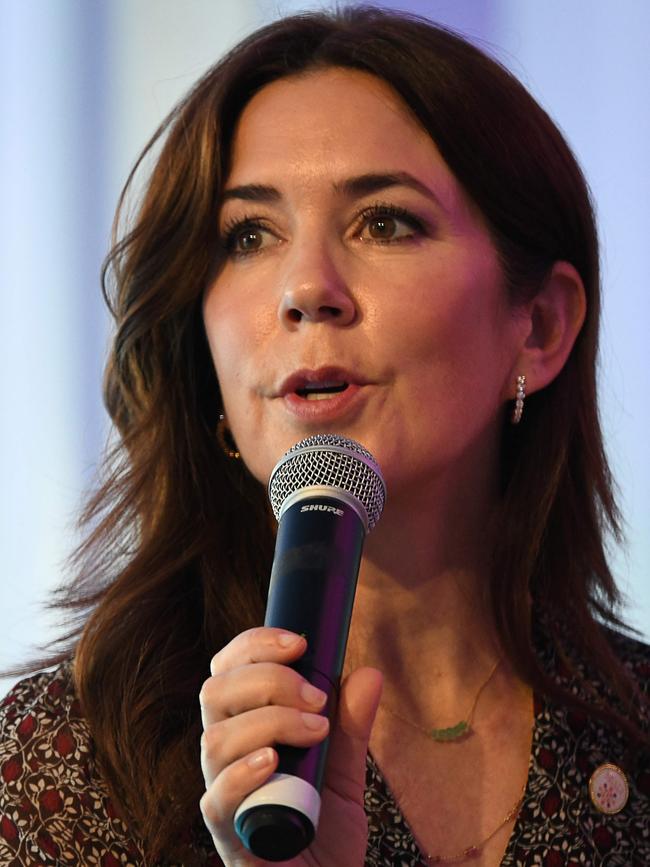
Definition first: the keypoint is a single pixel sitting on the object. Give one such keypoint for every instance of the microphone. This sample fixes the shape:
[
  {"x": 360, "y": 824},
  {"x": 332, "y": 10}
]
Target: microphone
[{"x": 327, "y": 493}]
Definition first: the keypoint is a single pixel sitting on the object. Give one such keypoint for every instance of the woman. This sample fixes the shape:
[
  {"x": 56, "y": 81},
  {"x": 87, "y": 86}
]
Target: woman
[{"x": 357, "y": 223}]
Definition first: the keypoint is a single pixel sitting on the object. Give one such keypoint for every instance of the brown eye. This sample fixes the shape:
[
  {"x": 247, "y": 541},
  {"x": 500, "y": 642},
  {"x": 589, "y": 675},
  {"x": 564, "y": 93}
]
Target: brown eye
[
  {"x": 386, "y": 224},
  {"x": 246, "y": 238},
  {"x": 382, "y": 228},
  {"x": 248, "y": 241}
]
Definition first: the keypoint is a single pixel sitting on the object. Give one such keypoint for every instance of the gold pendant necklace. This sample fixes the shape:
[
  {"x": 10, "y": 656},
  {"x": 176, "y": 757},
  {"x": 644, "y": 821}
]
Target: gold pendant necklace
[
  {"x": 453, "y": 733},
  {"x": 450, "y": 733},
  {"x": 475, "y": 850}
]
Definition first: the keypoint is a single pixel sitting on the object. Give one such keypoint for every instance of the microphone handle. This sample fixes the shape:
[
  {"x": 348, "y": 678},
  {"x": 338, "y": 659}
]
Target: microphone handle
[{"x": 313, "y": 582}]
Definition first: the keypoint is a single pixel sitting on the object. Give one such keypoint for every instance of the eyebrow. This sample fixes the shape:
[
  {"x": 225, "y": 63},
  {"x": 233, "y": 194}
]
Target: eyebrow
[
  {"x": 252, "y": 193},
  {"x": 361, "y": 185},
  {"x": 374, "y": 182}
]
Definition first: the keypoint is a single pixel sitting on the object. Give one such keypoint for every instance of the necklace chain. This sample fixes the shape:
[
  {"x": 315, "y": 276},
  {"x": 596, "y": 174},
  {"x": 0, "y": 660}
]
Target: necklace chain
[
  {"x": 450, "y": 733},
  {"x": 476, "y": 849}
]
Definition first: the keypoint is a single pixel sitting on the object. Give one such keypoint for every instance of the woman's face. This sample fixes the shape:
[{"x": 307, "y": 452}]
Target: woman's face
[{"x": 361, "y": 293}]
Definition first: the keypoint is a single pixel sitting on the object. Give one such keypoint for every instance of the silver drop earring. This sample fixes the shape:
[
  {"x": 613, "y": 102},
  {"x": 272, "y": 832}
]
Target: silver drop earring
[{"x": 520, "y": 396}]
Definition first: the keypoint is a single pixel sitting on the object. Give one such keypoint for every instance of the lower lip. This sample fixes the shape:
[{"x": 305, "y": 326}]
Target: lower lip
[{"x": 331, "y": 408}]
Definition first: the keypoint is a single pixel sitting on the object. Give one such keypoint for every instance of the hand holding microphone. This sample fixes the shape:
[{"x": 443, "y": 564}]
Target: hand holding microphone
[{"x": 327, "y": 492}]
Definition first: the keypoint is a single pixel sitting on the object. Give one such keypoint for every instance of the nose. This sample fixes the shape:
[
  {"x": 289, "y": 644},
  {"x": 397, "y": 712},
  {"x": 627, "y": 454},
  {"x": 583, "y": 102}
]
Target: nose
[{"x": 315, "y": 291}]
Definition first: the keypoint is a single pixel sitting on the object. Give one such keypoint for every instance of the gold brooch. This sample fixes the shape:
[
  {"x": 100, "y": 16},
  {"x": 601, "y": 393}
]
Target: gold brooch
[{"x": 609, "y": 789}]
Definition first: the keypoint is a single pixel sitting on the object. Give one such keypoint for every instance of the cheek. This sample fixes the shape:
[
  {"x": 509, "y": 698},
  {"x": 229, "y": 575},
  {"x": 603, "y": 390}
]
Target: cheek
[
  {"x": 432, "y": 328},
  {"x": 238, "y": 335},
  {"x": 233, "y": 330},
  {"x": 224, "y": 339},
  {"x": 453, "y": 339}
]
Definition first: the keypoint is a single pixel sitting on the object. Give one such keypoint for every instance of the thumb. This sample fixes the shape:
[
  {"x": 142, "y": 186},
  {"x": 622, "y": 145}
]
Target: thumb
[{"x": 358, "y": 702}]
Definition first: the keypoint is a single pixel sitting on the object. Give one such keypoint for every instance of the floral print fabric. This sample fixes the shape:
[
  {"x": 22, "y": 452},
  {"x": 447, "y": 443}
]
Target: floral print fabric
[{"x": 55, "y": 808}]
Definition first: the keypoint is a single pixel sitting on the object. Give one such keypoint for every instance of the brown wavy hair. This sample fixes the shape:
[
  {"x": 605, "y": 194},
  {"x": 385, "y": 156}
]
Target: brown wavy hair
[{"x": 180, "y": 543}]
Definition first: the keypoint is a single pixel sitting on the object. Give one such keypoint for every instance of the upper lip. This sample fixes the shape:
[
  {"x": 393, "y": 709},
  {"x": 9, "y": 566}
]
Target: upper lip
[{"x": 324, "y": 376}]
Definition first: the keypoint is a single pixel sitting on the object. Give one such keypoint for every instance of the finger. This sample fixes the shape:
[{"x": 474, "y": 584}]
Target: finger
[
  {"x": 261, "y": 644},
  {"x": 266, "y": 683},
  {"x": 358, "y": 702},
  {"x": 227, "y": 741},
  {"x": 225, "y": 794}
]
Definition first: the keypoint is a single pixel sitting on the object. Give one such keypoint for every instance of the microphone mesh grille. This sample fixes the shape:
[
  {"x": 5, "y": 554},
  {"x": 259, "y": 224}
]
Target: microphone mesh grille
[{"x": 333, "y": 461}]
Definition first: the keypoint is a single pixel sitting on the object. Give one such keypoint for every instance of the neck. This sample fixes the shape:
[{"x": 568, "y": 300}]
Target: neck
[{"x": 420, "y": 612}]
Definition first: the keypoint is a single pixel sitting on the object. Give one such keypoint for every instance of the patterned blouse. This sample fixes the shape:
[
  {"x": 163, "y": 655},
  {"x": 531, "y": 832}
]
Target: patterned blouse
[{"x": 55, "y": 808}]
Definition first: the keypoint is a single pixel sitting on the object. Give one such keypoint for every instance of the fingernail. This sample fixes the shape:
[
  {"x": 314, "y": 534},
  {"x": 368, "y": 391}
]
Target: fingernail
[
  {"x": 312, "y": 695},
  {"x": 261, "y": 758},
  {"x": 314, "y": 721},
  {"x": 286, "y": 639}
]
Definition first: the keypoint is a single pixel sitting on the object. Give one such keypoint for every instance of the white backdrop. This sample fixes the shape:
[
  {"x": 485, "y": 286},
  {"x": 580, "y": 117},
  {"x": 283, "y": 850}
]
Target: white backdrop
[{"x": 85, "y": 84}]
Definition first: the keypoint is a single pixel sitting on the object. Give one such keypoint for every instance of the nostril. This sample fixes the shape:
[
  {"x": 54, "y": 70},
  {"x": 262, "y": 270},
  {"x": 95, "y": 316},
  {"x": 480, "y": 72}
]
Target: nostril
[{"x": 303, "y": 306}]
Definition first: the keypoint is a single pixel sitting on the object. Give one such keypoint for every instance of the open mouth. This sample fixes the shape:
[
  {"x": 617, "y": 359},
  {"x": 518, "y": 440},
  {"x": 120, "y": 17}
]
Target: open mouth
[{"x": 321, "y": 390}]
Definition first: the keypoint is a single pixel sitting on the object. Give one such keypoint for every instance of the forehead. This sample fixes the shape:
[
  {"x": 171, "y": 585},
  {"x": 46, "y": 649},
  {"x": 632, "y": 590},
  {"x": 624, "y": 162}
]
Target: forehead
[{"x": 332, "y": 123}]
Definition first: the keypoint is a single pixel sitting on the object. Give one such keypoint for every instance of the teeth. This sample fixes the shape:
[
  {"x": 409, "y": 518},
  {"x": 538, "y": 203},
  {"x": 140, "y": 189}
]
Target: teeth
[{"x": 318, "y": 395}]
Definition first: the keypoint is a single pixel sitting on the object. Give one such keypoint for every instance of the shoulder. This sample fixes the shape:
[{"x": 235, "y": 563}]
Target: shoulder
[
  {"x": 40, "y": 723},
  {"x": 574, "y": 751},
  {"x": 54, "y": 805},
  {"x": 592, "y": 676},
  {"x": 44, "y": 696},
  {"x": 634, "y": 655}
]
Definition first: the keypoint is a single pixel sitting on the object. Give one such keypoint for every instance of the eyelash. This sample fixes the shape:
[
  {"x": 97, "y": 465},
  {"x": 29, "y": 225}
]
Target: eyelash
[
  {"x": 384, "y": 210},
  {"x": 236, "y": 226}
]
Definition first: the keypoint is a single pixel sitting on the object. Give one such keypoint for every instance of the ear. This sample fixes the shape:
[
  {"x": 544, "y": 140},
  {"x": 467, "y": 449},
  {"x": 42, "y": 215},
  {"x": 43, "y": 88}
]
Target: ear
[{"x": 552, "y": 320}]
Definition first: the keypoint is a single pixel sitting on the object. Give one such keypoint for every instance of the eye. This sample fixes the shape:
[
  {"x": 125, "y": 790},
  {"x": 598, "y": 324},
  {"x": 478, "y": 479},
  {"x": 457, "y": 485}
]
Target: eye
[
  {"x": 246, "y": 237},
  {"x": 386, "y": 224}
]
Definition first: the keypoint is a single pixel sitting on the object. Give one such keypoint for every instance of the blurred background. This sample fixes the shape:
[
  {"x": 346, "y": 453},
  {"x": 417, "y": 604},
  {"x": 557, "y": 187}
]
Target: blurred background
[{"x": 86, "y": 82}]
